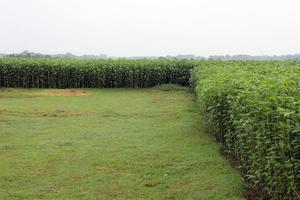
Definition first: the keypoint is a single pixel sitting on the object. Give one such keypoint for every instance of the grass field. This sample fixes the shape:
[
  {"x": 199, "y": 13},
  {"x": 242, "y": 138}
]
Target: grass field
[{"x": 109, "y": 144}]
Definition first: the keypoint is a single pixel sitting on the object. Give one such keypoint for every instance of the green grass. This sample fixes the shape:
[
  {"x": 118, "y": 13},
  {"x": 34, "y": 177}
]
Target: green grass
[{"x": 109, "y": 144}]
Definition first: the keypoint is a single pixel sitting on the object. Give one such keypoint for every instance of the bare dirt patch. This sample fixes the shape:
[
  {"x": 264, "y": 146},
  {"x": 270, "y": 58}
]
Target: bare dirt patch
[
  {"x": 56, "y": 113},
  {"x": 6, "y": 90},
  {"x": 212, "y": 187},
  {"x": 153, "y": 90},
  {"x": 62, "y": 113},
  {"x": 63, "y": 92}
]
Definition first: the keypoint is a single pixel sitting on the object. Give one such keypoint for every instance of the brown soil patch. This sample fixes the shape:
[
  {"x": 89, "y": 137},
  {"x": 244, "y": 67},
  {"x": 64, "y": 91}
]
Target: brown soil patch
[
  {"x": 61, "y": 113},
  {"x": 106, "y": 169},
  {"x": 42, "y": 172},
  {"x": 152, "y": 184},
  {"x": 57, "y": 113},
  {"x": 3, "y": 91},
  {"x": 253, "y": 194},
  {"x": 153, "y": 90},
  {"x": 6, "y": 90},
  {"x": 63, "y": 92},
  {"x": 182, "y": 184},
  {"x": 212, "y": 187}
]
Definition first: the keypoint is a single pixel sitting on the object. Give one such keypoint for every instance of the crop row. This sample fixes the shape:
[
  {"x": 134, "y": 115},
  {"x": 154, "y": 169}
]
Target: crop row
[
  {"x": 54, "y": 73},
  {"x": 253, "y": 109}
]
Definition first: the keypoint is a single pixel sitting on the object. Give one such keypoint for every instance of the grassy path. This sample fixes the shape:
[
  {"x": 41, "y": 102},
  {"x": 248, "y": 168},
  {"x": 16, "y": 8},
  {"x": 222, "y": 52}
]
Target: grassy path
[{"x": 108, "y": 144}]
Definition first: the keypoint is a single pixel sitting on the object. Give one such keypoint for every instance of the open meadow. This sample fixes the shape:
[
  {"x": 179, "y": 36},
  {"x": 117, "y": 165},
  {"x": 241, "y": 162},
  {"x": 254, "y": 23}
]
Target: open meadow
[{"x": 109, "y": 144}]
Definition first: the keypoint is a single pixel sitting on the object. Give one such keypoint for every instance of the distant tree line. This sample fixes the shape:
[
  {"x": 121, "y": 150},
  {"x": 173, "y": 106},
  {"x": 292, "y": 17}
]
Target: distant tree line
[{"x": 28, "y": 54}]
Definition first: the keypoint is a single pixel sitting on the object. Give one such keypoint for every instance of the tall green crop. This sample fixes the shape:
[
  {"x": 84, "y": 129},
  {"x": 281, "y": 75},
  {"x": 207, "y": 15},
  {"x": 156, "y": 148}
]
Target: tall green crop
[
  {"x": 58, "y": 73},
  {"x": 253, "y": 109}
]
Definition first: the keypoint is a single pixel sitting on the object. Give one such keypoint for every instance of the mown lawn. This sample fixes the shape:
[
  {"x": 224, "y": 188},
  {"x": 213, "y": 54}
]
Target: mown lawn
[{"x": 109, "y": 144}]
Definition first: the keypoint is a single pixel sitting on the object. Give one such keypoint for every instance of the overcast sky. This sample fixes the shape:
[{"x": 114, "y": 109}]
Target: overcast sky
[{"x": 150, "y": 27}]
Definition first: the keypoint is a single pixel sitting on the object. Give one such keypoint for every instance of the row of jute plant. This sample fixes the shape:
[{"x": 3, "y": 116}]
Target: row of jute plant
[
  {"x": 253, "y": 109},
  {"x": 61, "y": 73}
]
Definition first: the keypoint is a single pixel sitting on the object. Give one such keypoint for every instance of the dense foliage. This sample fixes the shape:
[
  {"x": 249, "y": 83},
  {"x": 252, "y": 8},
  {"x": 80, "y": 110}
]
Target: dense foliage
[
  {"x": 61, "y": 73},
  {"x": 253, "y": 109}
]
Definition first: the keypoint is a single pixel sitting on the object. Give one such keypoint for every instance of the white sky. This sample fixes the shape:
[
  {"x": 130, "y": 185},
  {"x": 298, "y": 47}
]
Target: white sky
[{"x": 150, "y": 27}]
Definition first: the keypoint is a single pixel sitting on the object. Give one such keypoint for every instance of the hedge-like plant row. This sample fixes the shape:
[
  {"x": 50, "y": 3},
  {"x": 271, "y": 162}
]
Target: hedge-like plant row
[
  {"x": 253, "y": 109},
  {"x": 56, "y": 73}
]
